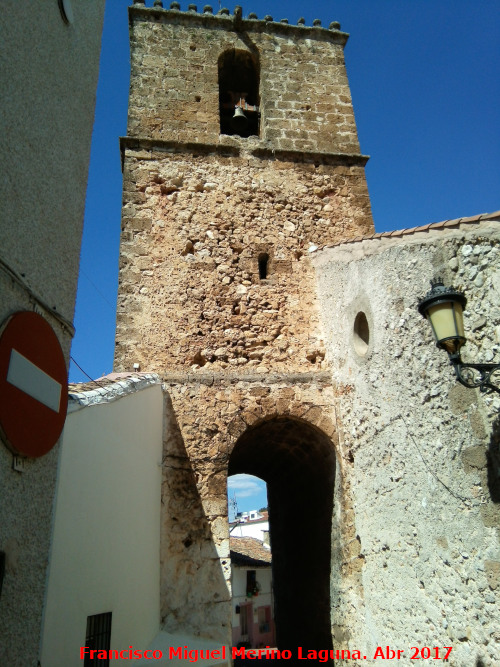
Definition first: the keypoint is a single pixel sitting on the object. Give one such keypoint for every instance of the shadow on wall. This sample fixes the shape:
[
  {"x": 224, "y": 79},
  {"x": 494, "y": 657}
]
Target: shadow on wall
[
  {"x": 195, "y": 598},
  {"x": 493, "y": 462}
]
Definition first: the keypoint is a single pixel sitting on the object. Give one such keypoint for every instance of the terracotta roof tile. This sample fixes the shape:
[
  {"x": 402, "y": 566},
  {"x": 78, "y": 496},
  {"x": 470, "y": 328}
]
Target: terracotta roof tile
[
  {"x": 104, "y": 381},
  {"x": 494, "y": 217},
  {"x": 108, "y": 388},
  {"x": 249, "y": 551}
]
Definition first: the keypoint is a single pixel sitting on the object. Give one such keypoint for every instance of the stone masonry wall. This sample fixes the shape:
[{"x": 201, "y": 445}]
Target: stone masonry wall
[
  {"x": 423, "y": 450},
  {"x": 193, "y": 229},
  {"x": 205, "y": 416},
  {"x": 200, "y": 208},
  {"x": 305, "y": 100}
]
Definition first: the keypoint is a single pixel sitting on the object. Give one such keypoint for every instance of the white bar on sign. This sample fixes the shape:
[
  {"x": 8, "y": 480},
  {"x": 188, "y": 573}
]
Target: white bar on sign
[{"x": 27, "y": 377}]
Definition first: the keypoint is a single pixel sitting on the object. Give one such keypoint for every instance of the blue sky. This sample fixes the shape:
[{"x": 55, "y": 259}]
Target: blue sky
[
  {"x": 249, "y": 491},
  {"x": 425, "y": 83}
]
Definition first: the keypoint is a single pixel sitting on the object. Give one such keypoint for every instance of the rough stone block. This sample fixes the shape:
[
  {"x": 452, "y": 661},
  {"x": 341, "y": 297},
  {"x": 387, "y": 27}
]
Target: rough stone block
[{"x": 492, "y": 569}]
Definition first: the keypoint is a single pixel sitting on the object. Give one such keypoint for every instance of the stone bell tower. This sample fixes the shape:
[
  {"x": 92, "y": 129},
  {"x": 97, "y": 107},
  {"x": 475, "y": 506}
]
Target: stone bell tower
[
  {"x": 241, "y": 155},
  {"x": 220, "y": 209}
]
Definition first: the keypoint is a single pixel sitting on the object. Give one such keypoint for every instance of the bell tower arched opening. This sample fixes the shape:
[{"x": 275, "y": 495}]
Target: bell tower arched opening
[
  {"x": 239, "y": 93},
  {"x": 297, "y": 461}
]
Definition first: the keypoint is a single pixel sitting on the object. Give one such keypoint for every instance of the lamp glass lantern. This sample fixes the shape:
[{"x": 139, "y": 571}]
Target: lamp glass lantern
[{"x": 443, "y": 307}]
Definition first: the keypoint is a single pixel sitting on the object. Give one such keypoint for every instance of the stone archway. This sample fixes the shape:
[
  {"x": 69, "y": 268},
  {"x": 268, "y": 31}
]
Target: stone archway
[{"x": 298, "y": 463}]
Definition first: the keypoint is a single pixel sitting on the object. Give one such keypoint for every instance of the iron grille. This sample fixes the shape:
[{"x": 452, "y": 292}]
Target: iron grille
[{"x": 98, "y": 638}]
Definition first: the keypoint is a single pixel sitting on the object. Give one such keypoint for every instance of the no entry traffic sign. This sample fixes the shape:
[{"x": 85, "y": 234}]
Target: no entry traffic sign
[{"x": 33, "y": 385}]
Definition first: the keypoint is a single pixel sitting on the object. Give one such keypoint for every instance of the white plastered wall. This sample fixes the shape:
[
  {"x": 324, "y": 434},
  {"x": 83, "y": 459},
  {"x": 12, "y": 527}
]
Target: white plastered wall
[
  {"x": 106, "y": 542},
  {"x": 422, "y": 449},
  {"x": 256, "y": 530}
]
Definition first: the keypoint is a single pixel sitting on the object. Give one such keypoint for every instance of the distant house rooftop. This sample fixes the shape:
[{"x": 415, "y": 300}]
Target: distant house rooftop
[
  {"x": 249, "y": 551},
  {"x": 245, "y": 517}
]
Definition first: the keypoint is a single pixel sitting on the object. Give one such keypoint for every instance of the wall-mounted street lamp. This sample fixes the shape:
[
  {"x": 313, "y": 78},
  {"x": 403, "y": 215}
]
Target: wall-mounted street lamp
[{"x": 443, "y": 307}]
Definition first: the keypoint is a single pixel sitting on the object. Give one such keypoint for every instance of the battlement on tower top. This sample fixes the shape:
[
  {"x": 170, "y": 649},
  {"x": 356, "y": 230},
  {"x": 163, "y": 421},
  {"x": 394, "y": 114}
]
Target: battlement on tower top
[{"x": 236, "y": 21}]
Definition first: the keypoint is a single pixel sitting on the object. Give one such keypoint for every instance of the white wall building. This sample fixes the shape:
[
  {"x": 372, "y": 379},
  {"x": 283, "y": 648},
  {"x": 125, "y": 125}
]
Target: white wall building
[
  {"x": 252, "y": 588},
  {"x": 106, "y": 540},
  {"x": 251, "y": 524},
  {"x": 104, "y": 568}
]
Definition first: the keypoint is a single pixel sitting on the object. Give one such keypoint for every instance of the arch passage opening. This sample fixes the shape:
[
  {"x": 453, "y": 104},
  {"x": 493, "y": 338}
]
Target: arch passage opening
[
  {"x": 238, "y": 93},
  {"x": 297, "y": 461}
]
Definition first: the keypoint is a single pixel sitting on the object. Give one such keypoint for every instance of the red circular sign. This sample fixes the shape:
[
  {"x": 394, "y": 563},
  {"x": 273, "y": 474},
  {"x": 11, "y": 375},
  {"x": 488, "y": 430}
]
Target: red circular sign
[{"x": 33, "y": 385}]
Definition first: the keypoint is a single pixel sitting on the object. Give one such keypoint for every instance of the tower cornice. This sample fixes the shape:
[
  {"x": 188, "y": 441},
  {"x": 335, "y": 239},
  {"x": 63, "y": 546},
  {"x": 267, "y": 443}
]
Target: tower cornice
[{"x": 230, "y": 150}]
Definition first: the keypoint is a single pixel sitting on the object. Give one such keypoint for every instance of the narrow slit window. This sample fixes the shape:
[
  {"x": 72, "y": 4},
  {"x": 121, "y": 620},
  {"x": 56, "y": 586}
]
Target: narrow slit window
[{"x": 263, "y": 265}]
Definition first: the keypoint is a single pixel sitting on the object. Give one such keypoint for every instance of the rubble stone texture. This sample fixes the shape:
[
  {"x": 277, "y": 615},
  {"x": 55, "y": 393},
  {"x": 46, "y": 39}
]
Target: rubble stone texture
[
  {"x": 201, "y": 208},
  {"x": 424, "y": 450},
  {"x": 281, "y": 428},
  {"x": 217, "y": 293}
]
